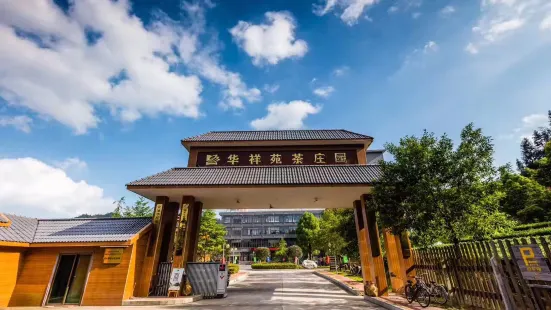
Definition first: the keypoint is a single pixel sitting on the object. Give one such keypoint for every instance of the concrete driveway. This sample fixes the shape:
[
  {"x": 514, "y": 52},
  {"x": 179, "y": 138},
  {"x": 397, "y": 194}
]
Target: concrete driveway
[{"x": 293, "y": 289}]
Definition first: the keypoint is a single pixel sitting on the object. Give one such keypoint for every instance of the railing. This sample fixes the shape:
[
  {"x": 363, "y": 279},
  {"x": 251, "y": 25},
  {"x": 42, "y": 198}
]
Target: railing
[{"x": 467, "y": 272}]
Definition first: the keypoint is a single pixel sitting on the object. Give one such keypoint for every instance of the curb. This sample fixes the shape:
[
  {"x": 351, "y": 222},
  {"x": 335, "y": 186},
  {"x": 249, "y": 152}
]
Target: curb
[
  {"x": 385, "y": 304},
  {"x": 343, "y": 286}
]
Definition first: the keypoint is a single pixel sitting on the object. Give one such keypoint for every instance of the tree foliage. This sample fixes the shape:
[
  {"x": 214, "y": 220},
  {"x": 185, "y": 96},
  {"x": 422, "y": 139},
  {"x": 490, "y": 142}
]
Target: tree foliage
[
  {"x": 140, "y": 208},
  {"x": 331, "y": 235},
  {"x": 281, "y": 253},
  {"x": 262, "y": 253},
  {"x": 307, "y": 231},
  {"x": 433, "y": 187},
  {"x": 294, "y": 251},
  {"x": 211, "y": 236},
  {"x": 524, "y": 198},
  {"x": 533, "y": 149}
]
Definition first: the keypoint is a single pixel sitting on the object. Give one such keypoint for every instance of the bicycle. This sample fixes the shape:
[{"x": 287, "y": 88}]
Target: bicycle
[
  {"x": 418, "y": 291},
  {"x": 438, "y": 293}
]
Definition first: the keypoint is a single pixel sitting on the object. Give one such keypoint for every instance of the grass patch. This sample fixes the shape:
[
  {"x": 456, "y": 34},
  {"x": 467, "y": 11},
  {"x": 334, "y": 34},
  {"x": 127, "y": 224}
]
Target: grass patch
[{"x": 349, "y": 276}]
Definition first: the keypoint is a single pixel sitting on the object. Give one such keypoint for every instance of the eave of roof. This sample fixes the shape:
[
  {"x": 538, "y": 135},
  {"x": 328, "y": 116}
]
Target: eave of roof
[
  {"x": 235, "y": 138},
  {"x": 317, "y": 175}
]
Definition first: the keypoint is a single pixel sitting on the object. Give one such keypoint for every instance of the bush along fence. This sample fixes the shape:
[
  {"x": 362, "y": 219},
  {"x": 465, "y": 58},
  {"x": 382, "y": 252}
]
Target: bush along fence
[
  {"x": 275, "y": 266},
  {"x": 497, "y": 274}
]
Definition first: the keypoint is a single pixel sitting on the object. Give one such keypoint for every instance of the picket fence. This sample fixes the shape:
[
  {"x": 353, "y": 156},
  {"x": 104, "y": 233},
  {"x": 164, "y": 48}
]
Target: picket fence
[{"x": 467, "y": 272}]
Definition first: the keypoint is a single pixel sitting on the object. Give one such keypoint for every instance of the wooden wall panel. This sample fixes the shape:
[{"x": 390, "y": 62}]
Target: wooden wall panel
[
  {"x": 34, "y": 277},
  {"x": 106, "y": 282},
  {"x": 105, "y": 285},
  {"x": 135, "y": 273},
  {"x": 9, "y": 262}
]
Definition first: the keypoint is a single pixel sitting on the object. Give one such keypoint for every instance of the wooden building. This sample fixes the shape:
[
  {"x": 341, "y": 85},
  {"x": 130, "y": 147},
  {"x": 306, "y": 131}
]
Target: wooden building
[
  {"x": 89, "y": 262},
  {"x": 106, "y": 261}
]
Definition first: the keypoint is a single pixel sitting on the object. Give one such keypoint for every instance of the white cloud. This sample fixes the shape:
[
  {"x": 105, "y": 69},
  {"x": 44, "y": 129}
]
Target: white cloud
[
  {"x": 65, "y": 66},
  {"x": 340, "y": 71},
  {"x": 393, "y": 9},
  {"x": 546, "y": 23},
  {"x": 204, "y": 61},
  {"x": 471, "y": 48},
  {"x": 430, "y": 47},
  {"x": 529, "y": 124},
  {"x": 447, "y": 10},
  {"x": 32, "y": 188},
  {"x": 324, "y": 92},
  {"x": 501, "y": 19},
  {"x": 286, "y": 115},
  {"x": 271, "y": 42},
  {"x": 71, "y": 163},
  {"x": 57, "y": 73},
  {"x": 19, "y": 122},
  {"x": 415, "y": 15},
  {"x": 271, "y": 88},
  {"x": 351, "y": 9}
]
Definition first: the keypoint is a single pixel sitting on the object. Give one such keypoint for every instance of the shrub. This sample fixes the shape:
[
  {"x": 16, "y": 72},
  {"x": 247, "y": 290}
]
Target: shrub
[
  {"x": 262, "y": 253},
  {"x": 233, "y": 269},
  {"x": 531, "y": 226},
  {"x": 294, "y": 251},
  {"x": 525, "y": 233},
  {"x": 275, "y": 266}
]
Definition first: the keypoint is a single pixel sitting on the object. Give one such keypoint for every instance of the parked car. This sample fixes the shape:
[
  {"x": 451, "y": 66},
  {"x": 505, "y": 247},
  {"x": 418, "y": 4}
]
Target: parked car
[{"x": 309, "y": 264}]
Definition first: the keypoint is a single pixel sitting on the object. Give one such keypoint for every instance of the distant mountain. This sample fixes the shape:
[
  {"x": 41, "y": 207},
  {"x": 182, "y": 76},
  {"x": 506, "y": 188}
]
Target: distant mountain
[{"x": 86, "y": 216}]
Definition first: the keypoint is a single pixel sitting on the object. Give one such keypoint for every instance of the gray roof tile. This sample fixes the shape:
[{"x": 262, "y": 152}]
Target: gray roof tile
[
  {"x": 89, "y": 230},
  {"x": 21, "y": 229},
  {"x": 264, "y": 175},
  {"x": 277, "y": 135},
  {"x": 24, "y": 229}
]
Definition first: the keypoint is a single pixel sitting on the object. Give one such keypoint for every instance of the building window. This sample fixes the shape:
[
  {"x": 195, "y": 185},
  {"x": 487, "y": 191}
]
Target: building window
[
  {"x": 227, "y": 219},
  {"x": 272, "y": 219},
  {"x": 236, "y": 220},
  {"x": 252, "y": 231},
  {"x": 247, "y": 219},
  {"x": 236, "y": 232},
  {"x": 257, "y": 219},
  {"x": 272, "y": 230}
]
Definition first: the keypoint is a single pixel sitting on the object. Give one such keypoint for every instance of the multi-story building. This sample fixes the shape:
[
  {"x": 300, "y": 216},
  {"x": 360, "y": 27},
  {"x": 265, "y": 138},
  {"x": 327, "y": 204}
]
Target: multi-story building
[{"x": 248, "y": 230}]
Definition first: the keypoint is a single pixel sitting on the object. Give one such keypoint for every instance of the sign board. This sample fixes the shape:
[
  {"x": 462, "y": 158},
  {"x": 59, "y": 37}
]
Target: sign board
[
  {"x": 176, "y": 279},
  {"x": 157, "y": 214},
  {"x": 274, "y": 158},
  {"x": 112, "y": 255},
  {"x": 531, "y": 262}
]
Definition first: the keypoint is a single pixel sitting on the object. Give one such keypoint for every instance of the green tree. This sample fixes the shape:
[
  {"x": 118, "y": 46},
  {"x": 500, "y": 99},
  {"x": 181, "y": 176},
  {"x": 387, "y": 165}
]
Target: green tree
[
  {"x": 329, "y": 238},
  {"x": 430, "y": 186},
  {"x": 294, "y": 251},
  {"x": 211, "y": 236},
  {"x": 262, "y": 253},
  {"x": 542, "y": 169},
  {"x": 307, "y": 231},
  {"x": 140, "y": 208},
  {"x": 533, "y": 149},
  {"x": 524, "y": 198},
  {"x": 282, "y": 251}
]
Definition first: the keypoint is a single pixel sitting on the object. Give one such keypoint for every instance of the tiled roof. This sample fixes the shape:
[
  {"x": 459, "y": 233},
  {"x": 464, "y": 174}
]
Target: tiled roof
[
  {"x": 29, "y": 230},
  {"x": 21, "y": 229},
  {"x": 264, "y": 175},
  {"x": 89, "y": 230},
  {"x": 277, "y": 135}
]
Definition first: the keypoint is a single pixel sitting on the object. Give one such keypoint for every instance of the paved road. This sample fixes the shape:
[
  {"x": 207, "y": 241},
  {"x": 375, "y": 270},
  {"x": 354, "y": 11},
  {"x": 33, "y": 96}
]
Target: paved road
[{"x": 284, "y": 290}]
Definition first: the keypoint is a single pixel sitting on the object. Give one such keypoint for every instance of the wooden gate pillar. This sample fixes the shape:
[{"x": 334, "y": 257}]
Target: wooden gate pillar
[
  {"x": 395, "y": 260},
  {"x": 373, "y": 268},
  {"x": 195, "y": 225},
  {"x": 162, "y": 219}
]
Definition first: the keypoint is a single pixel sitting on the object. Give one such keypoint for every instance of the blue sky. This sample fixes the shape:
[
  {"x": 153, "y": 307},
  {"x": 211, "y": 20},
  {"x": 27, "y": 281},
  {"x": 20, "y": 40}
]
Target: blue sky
[{"x": 96, "y": 93}]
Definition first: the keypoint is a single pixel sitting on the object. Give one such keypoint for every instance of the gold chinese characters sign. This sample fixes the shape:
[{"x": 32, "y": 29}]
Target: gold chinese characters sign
[
  {"x": 112, "y": 255},
  {"x": 272, "y": 158}
]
